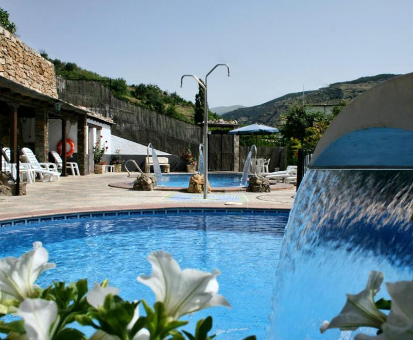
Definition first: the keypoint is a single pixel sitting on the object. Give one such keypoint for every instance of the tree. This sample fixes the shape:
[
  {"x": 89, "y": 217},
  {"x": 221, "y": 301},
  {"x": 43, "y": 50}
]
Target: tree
[
  {"x": 199, "y": 105},
  {"x": 5, "y": 22},
  {"x": 297, "y": 120}
]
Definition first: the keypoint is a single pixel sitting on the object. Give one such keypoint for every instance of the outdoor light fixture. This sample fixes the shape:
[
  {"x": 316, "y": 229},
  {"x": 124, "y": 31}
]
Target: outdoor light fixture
[
  {"x": 58, "y": 106},
  {"x": 205, "y": 86}
]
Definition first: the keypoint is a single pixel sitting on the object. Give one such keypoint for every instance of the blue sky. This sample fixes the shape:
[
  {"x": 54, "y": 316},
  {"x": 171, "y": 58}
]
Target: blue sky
[{"x": 272, "y": 46}]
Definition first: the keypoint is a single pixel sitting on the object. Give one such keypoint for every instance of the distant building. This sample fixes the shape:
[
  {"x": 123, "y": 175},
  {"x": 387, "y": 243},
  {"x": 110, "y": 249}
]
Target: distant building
[{"x": 326, "y": 109}]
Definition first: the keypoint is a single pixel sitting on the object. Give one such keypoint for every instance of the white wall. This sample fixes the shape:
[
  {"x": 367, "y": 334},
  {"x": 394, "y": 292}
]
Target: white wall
[
  {"x": 106, "y": 134},
  {"x": 55, "y": 133}
]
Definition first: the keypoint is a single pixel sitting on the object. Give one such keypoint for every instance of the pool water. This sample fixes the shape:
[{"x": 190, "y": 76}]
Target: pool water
[
  {"x": 215, "y": 180},
  {"x": 244, "y": 247}
]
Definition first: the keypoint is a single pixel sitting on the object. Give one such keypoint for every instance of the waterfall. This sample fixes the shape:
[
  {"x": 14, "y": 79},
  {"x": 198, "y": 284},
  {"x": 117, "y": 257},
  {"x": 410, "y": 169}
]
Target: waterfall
[
  {"x": 344, "y": 224},
  {"x": 156, "y": 166},
  {"x": 201, "y": 159},
  {"x": 244, "y": 178}
]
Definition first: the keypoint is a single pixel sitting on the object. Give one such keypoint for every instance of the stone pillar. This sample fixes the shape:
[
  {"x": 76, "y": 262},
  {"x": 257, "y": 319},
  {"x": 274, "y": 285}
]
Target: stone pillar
[
  {"x": 41, "y": 143},
  {"x": 81, "y": 145},
  {"x": 236, "y": 153}
]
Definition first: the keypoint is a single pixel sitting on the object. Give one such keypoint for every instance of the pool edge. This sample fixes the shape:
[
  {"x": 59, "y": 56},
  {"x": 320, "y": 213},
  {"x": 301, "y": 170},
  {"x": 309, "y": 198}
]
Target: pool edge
[{"x": 93, "y": 212}]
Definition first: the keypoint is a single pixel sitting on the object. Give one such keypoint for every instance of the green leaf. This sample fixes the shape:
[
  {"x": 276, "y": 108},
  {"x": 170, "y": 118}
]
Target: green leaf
[
  {"x": 203, "y": 326},
  {"x": 383, "y": 304},
  {"x": 70, "y": 334},
  {"x": 189, "y": 335},
  {"x": 15, "y": 326},
  {"x": 252, "y": 337}
]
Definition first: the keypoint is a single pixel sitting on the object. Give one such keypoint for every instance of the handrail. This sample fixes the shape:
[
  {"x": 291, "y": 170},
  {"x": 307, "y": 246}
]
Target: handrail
[{"x": 136, "y": 165}]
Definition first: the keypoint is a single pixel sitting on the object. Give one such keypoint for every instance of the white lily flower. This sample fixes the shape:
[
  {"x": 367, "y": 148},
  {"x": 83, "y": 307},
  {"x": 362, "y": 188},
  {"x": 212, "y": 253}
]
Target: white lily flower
[
  {"x": 181, "y": 291},
  {"x": 39, "y": 316},
  {"x": 96, "y": 296},
  {"x": 360, "y": 309},
  {"x": 17, "y": 275},
  {"x": 143, "y": 334},
  {"x": 399, "y": 323}
]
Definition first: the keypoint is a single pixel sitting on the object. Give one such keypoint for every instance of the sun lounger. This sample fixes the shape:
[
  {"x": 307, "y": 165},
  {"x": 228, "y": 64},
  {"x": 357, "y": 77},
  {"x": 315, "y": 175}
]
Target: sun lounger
[
  {"x": 24, "y": 168},
  {"x": 277, "y": 176},
  {"x": 74, "y": 168},
  {"x": 41, "y": 169}
]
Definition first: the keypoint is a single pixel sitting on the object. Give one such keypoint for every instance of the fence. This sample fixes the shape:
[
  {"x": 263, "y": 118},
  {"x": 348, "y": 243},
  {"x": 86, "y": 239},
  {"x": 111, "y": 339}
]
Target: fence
[
  {"x": 132, "y": 122},
  {"x": 277, "y": 155}
]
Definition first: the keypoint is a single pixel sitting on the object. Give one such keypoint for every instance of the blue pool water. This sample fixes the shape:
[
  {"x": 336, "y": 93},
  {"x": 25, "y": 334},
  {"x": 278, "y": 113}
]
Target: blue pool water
[
  {"x": 244, "y": 247},
  {"x": 215, "y": 180}
]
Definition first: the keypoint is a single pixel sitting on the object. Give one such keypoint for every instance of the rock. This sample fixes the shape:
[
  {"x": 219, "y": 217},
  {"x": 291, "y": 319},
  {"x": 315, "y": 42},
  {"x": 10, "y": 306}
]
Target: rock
[
  {"x": 145, "y": 182},
  {"x": 5, "y": 190},
  {"x": 258, "y": 184},
  {"x": 196, "y": 184}
]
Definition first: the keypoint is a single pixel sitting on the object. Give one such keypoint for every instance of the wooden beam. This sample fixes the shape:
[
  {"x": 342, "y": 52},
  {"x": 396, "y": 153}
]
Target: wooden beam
[
  {"x": 64, "y": 158},
  {"x": 13, "y": 132}
]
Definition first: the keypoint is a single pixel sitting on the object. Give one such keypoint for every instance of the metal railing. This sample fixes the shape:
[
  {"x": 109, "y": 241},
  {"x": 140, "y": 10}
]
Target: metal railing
[{"x": 304, "y": 158}]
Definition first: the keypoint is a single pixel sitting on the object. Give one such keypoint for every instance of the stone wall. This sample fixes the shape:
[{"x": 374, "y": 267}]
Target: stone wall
[{"x": 25, "y": 66}]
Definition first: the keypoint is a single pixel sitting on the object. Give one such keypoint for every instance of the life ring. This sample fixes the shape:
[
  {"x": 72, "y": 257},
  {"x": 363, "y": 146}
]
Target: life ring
[{"x": 72, "y": 147}]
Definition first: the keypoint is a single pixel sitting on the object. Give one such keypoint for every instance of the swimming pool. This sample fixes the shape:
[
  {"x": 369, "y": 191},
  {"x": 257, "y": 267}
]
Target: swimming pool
[
  {"x": 243, "y": 245},
  {"x": 215, "y": 180}
]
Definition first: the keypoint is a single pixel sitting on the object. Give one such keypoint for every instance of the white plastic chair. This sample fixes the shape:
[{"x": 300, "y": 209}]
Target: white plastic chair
[
  {"x": 74, "y": 168},
  {"x": 42, "y": 169},
  {"x": 266, "y": 165},
  {"x": 291, "y": 171},
  {"x": 25, "y": 169}
]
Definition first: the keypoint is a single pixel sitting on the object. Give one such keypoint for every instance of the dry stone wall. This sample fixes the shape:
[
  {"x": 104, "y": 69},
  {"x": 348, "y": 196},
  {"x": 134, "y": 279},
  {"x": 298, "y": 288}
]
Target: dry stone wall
[{"x": 25, "y": 66}]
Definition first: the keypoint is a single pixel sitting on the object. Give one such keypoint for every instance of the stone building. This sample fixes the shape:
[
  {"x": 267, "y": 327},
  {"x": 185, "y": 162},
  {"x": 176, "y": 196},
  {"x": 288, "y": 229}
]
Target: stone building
[{"x": 31, "y": 115}]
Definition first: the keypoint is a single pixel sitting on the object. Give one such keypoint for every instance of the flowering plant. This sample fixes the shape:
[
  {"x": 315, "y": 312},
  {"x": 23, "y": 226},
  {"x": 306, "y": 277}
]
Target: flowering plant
[
  {"x": 47, "y": 313},
  {"x": 361, "y": 310},
  {"x": 188, "y": 156},
  {"x": 98, "y": 152},
  {"x": 117, "y": 158}
]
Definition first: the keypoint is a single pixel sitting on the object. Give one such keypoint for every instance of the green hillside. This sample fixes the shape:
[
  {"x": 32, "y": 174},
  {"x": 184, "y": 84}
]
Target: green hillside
[
  {"x": 269, "y": 112},
  {"x": 147, "y": 96}
]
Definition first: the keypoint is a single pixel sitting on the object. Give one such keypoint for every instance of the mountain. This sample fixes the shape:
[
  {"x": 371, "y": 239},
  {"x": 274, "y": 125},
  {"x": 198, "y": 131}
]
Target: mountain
[
  {"x": 220, "y": 110},
  {"x": 269, "y": 112}
]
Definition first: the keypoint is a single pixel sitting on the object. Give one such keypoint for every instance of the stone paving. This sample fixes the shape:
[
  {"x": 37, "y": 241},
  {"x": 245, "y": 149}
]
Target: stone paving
[{"x": 93, "y": 193}]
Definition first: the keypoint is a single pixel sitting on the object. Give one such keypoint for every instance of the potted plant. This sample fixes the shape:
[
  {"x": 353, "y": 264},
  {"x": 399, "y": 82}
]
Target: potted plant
[
  {"x": 117, "y": 161},
  {"x": 98, "y": 152},
  {"x": 189, "y": 159}
]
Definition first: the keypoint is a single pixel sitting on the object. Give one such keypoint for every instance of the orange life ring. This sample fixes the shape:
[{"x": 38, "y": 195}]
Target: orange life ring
[{"x": 72, "y": 147}]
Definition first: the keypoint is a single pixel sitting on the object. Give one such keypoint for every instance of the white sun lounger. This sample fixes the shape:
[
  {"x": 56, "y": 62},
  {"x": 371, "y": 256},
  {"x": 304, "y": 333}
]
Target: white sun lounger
[
  {"x": 42, "y": 169},
  {"x": 290, "y": 173},
  {"x": 25, "y": 170},
  {"x": 74, "y": 168}
]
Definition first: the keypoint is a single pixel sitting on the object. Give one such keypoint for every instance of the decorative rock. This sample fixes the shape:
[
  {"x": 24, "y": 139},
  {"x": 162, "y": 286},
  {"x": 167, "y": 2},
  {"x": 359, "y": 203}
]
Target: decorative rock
[
  {"x": 5, "y": 190},
  {"x": 145, "y": 182},
  {"x": 258, "y": 184},
  {"x": 196, "y": 184}
]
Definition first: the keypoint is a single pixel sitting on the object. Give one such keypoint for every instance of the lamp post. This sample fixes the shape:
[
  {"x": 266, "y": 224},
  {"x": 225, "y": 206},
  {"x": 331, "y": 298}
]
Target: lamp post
[{"x": 205, "y": 87}]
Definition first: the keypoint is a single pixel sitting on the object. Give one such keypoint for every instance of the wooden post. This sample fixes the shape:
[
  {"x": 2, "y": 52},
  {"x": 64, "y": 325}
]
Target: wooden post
[
  {"x": 64, "y": 158},
  {"x": 13, "y": 132}
]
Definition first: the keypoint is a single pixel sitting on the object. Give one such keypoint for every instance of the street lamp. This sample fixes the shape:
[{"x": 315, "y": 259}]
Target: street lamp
[{"x": 205, "y": 86}]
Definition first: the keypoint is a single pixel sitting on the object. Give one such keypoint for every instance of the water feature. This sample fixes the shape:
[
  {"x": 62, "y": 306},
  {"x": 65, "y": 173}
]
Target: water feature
[
  {"x": 247, "y": 165},
  {"x": 156, "y": 166},
  {"x": 344, "y": 224},
  {"x": 201, "y": 159}
]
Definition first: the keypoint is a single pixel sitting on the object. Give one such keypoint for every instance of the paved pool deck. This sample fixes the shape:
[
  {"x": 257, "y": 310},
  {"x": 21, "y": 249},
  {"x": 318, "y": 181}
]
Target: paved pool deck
[{"x": 92, "y": 193}]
